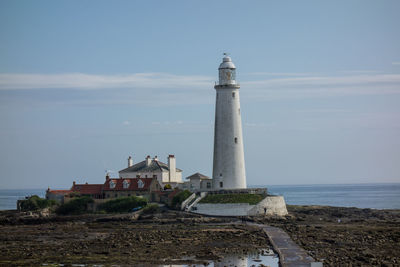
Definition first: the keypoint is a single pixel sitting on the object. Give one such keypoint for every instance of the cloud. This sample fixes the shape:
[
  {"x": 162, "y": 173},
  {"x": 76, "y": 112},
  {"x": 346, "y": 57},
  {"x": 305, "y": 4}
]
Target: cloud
[
  {"x": 360, "y": 71},
  {"x": 278, "y": 73},
  {"x": 10, "y": 81},
  {"x": 323, "y": 86},
  {"x": 152, "y": 89}
]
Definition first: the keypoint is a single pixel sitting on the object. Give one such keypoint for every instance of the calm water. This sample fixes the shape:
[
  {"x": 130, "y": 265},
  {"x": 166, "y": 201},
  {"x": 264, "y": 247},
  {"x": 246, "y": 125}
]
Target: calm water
[
  {"x": 376, "y": 196},
  {"x": 8, "y": 198},
  {"x": 253, "y": 259}
]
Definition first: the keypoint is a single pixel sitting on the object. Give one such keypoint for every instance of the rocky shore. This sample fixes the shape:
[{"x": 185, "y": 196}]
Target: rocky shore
[
  {"x": 170, "y": 237},
  {"x": 340, "y": 236},
  {"x": 333, "y": 235}
]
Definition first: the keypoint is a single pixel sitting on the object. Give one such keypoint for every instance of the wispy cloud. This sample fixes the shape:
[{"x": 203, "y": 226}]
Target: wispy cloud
[
  {"x": 360, "y": 71},
  {"x": 170, "y": 89},
  {"x": 10, "y": 81},
  {"x": 279, "y": 74},
  {"x": 324, "y": 86}
]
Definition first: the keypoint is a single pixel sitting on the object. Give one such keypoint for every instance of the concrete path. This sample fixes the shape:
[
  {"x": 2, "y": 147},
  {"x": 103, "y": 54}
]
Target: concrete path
[{"x": 290, "y": 254}]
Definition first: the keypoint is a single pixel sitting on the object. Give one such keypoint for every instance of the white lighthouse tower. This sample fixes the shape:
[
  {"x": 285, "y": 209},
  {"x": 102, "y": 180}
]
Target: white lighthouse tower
[{"x": 228, "y": 166}]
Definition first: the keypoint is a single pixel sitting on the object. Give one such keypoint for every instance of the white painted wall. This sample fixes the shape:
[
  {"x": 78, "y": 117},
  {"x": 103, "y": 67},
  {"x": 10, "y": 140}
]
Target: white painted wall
[
  {"x": 237, "y": 209},
  {"x": 275, "y": 205},
  {"x": 229, "y": 166}
]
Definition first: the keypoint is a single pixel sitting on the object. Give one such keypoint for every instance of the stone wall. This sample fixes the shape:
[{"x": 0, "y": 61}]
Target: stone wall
[
  {"x": 271, "y": 205},
  {"x": 234, "y": 209}
]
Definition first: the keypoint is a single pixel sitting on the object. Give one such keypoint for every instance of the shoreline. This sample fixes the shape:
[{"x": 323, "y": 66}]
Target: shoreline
[{"x": 360, "y": 237}]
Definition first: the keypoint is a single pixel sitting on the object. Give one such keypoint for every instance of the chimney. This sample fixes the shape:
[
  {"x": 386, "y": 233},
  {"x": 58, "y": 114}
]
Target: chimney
[
  {"x": 130, "y": 162},
  {"x": 148, "y": 161},
  {"x": 107, "y": 177},
  {"x": 172, "y": 168}
]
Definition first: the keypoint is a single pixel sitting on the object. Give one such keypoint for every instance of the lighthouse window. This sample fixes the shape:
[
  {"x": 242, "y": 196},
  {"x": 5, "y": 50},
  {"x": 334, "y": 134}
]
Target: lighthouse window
[
  {"x": 239, "y": 111},
  {"x": 236, "y": 140},
  {"x": 233, "y": 94},
  {"x": 221, "y": 184}
]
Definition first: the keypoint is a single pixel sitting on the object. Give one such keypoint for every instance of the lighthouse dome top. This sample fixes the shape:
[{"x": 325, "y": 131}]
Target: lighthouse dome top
[{"x": 227, "y": 63}]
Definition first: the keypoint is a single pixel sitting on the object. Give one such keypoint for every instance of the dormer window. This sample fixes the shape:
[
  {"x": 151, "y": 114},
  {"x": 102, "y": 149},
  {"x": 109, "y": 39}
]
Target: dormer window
[
  {"x": 125, "y": 184},
  {"x": 112, "y": 184},
  {"x": 140, "y": 184}
]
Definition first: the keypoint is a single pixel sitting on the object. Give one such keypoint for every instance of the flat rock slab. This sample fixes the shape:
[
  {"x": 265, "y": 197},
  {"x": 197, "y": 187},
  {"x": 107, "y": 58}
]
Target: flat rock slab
[{"x": 290, "y": 254}]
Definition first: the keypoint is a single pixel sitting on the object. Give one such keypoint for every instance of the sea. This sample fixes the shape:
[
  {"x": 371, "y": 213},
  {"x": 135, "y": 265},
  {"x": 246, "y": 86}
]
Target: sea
[{"x": 374, "y": 196}]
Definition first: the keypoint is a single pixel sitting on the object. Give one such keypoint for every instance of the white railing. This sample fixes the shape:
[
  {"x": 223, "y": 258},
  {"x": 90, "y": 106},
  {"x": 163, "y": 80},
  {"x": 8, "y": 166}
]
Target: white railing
[
  {"x": 187, "y": 201},
  {"x": 202, "y": 195}
]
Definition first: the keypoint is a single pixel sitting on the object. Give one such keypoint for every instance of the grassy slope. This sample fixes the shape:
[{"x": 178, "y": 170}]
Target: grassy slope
[{"x": 252, "y": 199}]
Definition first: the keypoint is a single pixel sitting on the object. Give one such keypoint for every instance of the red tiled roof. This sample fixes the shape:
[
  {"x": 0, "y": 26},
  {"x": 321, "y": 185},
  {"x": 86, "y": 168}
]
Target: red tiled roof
[
  {"x": 59, "y": 192},
  {"x": 133, "y": 184},
  {"x": 87, "y": 189}
]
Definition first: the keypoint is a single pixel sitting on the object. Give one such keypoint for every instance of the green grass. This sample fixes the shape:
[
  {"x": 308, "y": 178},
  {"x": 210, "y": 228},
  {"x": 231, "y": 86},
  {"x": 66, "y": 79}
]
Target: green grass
[
  {"x": 36, "y": 203},
  {"x": 75, "y": 206},
  {"x": 180, "y": 197},
  {"x": 252, "y": 199},
  {"x": 123, "y": 204}
]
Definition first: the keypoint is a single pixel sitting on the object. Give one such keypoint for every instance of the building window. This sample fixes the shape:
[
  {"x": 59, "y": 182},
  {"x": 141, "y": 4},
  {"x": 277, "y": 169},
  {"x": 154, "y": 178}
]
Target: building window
[
  {"x": 155, "y": 176},
  {"x": 145, "y": 176},
  {"x": 220, "y": 174},
  {"x": 112, "y": 184},
  {"x": 108, "y": 195},
  {"x": 221, "y": 184},
  {"x": 125, "y": 184},
  {"x": 116, "y": 195},
  {"x": 236, "y": 140},
  {"x": 233, "y": 94},
  {"x": 208, "y": 185},
  {"x": 140, "y": 184},
  {"x": 129, "y": 195}
]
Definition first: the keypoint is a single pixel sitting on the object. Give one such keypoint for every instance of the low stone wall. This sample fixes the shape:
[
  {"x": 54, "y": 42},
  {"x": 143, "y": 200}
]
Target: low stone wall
[
  {"x": 234, "y": 209},
  {"x": 270, "y": 205}
]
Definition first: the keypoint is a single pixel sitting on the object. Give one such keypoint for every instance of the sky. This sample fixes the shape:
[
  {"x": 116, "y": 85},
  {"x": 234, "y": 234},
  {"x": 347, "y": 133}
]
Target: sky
[{"x": 85, "y": 84}]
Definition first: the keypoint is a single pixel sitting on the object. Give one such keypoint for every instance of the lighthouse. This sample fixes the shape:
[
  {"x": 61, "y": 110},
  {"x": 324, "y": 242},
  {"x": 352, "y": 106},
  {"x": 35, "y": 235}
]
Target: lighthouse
[{"x": 228, "y": 164}]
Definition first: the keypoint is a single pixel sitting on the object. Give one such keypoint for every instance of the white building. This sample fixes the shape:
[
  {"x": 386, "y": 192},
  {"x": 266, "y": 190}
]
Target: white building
[
  {"x": 153, "y": 168},
  {"x": 228, "y": 166},
  {"x": 197, "y": 182}
]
